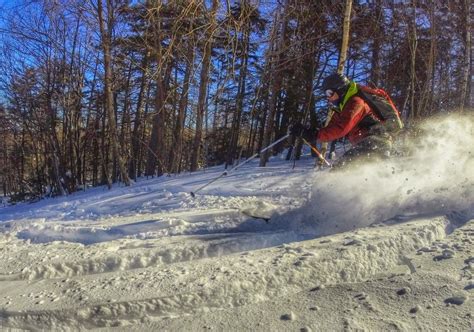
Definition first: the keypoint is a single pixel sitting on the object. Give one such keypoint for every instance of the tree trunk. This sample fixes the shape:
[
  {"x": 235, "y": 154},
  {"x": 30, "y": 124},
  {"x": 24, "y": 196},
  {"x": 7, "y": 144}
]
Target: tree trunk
[
  {"x": 465, "y": 98},
  {"x": 376, "y": 44},
  {"x": 237, "y": 118},
  {"x": 155, "y": 163},
  {"x": 156, "y": 144},
  {"x": 425, "y": 93},
  {"x": 177, "y": 149},
  {"x": 275, "y": 59},
  {"x": 125, "y": 131},
  {"x": 55, "y": 146},
  {"x": 137, "y": 132},
  {"x": 413, "y": 42},
  {"x": 342, "y": 58},
  {"x": 345, "y": 37},
  {"x": 204, "y": 81},
  {"x": 104, "y": 152},
  {"x": 308, "y": 96},
  {"x": 112, "y": 124}
]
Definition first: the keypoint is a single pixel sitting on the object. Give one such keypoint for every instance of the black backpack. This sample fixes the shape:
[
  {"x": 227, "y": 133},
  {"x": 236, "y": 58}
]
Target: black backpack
[{"x": 381, "y": 103}]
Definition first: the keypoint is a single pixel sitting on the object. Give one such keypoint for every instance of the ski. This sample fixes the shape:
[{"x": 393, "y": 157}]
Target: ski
[{"x": 251, "y": 215}]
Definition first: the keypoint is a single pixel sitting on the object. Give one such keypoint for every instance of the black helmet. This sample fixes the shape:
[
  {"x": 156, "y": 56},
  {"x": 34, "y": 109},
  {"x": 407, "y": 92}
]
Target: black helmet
[{"x": 336, "y": 82}]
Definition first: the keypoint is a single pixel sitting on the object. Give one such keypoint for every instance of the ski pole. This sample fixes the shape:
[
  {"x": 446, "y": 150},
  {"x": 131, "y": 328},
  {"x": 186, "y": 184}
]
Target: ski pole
[
  {"x": 193, "y": 194},
  {"x": 321, "y": 157}
]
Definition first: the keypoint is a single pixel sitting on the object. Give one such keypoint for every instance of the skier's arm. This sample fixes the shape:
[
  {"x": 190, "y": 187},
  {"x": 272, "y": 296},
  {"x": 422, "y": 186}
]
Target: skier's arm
[{"x": 342, "y": 123}]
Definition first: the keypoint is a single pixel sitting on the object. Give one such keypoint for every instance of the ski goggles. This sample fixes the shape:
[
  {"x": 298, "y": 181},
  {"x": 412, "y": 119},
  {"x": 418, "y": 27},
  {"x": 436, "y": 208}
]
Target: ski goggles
[{"x": 330, "y": 93}]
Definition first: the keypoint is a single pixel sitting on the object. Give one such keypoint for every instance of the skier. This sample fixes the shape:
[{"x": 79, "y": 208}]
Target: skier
[{"x": 366, "y": 117}]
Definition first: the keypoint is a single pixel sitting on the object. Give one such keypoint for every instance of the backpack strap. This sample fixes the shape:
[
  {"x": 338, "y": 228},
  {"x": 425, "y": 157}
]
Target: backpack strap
[{"x": 383, "y": 106}]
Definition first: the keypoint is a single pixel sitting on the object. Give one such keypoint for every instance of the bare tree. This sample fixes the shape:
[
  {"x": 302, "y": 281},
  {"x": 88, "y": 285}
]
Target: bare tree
[
  {"x": 346, "y": 26},
  {"x": 204, "y": 81},
  {"x": 156, "y": 142},
  {"x": 465, "y": 99},
  {"x": 177, "y": 150},
  {"x": 345, "y": 36},
  {"x": 274, "y": 57},
  {"x": 106, "y": 26},
  {"x": 139, "y": 118}
]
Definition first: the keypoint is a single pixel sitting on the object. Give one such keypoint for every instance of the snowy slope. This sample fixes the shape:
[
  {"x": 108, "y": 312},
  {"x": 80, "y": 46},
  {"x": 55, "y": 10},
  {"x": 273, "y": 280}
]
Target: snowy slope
[{"x": 383, "y": 246}]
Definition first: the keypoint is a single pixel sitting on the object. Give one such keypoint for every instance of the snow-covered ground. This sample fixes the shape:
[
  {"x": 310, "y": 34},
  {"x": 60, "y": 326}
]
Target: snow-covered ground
[{"x": 381, "y": 246}]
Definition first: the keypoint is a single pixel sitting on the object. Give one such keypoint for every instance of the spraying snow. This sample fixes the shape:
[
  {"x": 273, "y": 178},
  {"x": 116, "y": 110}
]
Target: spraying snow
[{"x": 436, "y": 178}]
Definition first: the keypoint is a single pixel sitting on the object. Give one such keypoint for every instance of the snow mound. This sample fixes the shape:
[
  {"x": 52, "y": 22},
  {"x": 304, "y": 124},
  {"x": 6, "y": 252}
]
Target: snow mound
[
  {"x": 198, "y": 286},
  {"x": 436, "y": 178}
]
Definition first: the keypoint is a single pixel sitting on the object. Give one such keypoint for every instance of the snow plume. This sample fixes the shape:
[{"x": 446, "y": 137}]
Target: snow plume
[{"x": 437, "y": 177}]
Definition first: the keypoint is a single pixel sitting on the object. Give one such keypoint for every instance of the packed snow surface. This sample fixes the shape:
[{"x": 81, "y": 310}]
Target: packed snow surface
[{"x": 380, "y": 246}]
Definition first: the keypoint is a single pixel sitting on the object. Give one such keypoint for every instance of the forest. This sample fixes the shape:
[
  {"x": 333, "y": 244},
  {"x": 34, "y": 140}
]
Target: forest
[{"x": 98, "y": 92}]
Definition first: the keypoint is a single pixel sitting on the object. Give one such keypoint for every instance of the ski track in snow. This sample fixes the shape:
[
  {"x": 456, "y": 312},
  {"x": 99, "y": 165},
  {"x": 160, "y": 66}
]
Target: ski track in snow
[{"x": 145, "y": 255}]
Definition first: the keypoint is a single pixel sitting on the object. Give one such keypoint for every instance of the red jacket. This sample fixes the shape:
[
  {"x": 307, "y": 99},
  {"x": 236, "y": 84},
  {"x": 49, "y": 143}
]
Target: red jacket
[{"x": 348, "y": 122}]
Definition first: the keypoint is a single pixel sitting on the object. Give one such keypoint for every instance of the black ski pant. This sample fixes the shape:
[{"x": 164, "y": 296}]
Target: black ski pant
[{"x": 373, "y": 147}]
